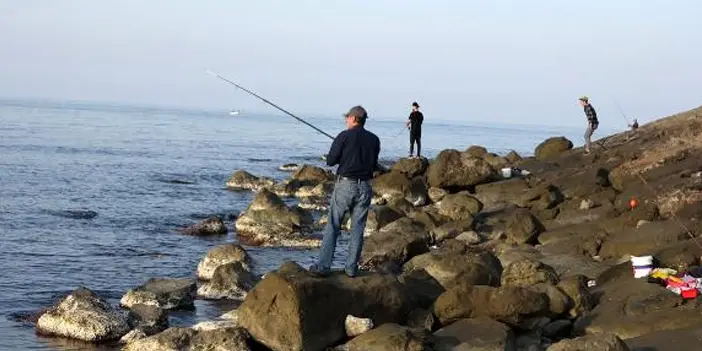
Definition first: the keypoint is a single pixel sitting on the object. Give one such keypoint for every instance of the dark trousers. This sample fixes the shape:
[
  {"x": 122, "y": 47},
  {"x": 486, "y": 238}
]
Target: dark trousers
[{"x": 415, "y": 138}]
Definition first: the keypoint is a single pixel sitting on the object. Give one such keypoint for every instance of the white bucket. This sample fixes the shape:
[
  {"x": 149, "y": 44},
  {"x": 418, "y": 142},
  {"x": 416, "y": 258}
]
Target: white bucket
[
  {"x": 642, "y": 266},
  {"x": 506, "y": 172}
]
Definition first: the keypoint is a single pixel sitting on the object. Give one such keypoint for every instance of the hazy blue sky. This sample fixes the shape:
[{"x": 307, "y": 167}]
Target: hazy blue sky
[{"x": 509, "y": 61}]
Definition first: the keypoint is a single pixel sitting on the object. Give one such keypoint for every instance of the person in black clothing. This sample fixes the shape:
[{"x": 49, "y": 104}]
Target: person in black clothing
[
  {"x": 356, "y": 151},
  {"x": 414, "y": 123},
  {"x": 592, "y": 122}
]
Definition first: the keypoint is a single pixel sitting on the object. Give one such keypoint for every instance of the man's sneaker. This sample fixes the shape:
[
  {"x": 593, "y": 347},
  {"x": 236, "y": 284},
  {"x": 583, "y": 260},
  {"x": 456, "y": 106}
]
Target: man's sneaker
[{"x": 314, "y": 269}]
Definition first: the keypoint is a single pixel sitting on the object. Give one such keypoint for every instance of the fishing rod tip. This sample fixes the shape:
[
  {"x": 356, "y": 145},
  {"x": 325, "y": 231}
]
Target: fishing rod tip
[{"x": 210, "y": 72}]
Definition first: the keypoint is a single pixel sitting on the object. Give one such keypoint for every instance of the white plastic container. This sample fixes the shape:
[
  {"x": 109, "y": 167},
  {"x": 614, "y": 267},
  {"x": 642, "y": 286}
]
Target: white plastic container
[
  {"x": 642, "y": 266},
  {"x": 506, "y": 172}
]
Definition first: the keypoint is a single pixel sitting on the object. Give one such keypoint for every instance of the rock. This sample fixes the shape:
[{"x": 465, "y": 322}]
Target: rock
[
  {"x": 311, "y": 175},
  {"x": 356, "y": 326},
  {"x": 149, "y": 320},
  {"x": 523, "y": 227},
  {"x": 176, "y": 338},
  {"x": 527, "y": 273},
  {"x": 559, "y": 302},
  {"x": 380, "y": 216},
  {"x": 552, "y": 147},
  {"x": 411, "y": 167},
  {"x": 429, "y": 219},
  {"x": 320, "y": 190},
  {"x": 165, "y": 293},
  {"x": 284, "y": 310},
  {"x": 230, "y": 281},
  {"x": 686, "y": 339},
  {"x": 497, "y": 193},
  {"x": 313, "y": 203},
  {"x": 132, "y": 336},
  {"x": 421, "y": 288},
  {"x": 461, "y": 265},
  {"x": 210, "y": 226},
  {"x": 600, "y": 342},
  {"x": 476, "y": 151},
  {"x": 643, "y": 240},
  {"x": 216, "y": 324},
  {"x": 586, "y": 204},
  {"x": 495, "y": 161},
  {"x": 389, "y": 337},
  {"x": 459, "y": 206},
  {"x": 679, "y": 256},
  {"x": 480, "y": 334},
  {"x": 221, "y": 255},
  {"x": 576, "y": 289},
  {"x": 289, "y": 167},
  {"x": 558, "y": 329},
  {"x": 577, "y": 216},
  {"x": 510, "y": 305},
  {"x": 243, "y": 180},
  {"x": 436, "y": 194},
  {"x": 268, "y": 221},
  {"x": 400, "y": 205},
  {"x": 452, "y": 169},
  {"x": 421, "y": 319},
  {"x": 84, "y": 316},
  {"x": 469, "y": 238},
  {"x": 418, "y": 195},
  {"x": 394, "y": 245},
  {"x": 392, "y": 184},
  {"x": 513, "y": 157}
]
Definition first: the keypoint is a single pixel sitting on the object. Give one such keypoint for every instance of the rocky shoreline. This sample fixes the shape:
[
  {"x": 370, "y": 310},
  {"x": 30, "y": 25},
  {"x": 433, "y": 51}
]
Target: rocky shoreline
[{"x": 457, "y": 256}]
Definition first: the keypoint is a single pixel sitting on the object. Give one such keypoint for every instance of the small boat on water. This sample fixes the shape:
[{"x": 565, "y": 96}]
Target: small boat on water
[{"x": 234, "y": 112}]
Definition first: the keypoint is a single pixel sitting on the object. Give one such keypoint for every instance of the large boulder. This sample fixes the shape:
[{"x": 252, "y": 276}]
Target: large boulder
[
  {"x": 165, "y": 293},
  {"x": 311, "y": 175},
  {"x": 600, "y": 342},
  {"x": 513, "y": 157},
  {"x": 479, "y": 334},
  {"x": 392, "y": 184},
  {"x": 221, "y": 255},
  {"x": 453, "y": 169},
  {"x": 380, "y": 216},
  {"x": 510, "y": 305},
  {"x": 178, "y": 338},
  {"x": 451, "y": 230},
  {"x": 290, "y": 308},
  {"x": 230, "y": 281},
  {"x": 523, "y": 227},
  {"x": 552, "y": 147},
  {"x": 643, "y": 240},
  {"x": 496, "y": 161},
  {"x": 83, "y": 315},
  {"x": 506, "y": 191},
  {"x": 460, "y": 206},
  {"x": 582, "y": 300},
  {"x": 436, "y": 194},
  {"x": 268, "y": 221},
  {"x": 458, "y": 265},
  {"x": 528, "y": 273},
  {"x": 390, "y": 337},
  {"x": 411, "y": 167},
  {"x": 394, "y": 245},
  {"x": 243, "y": 180},
  {"x": 209, "y": 226},
  {"x": 148, "y": 320}
]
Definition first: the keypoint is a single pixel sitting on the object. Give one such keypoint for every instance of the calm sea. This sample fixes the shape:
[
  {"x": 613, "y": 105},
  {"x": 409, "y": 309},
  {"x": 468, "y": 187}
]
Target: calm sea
[{"x": 146, "y": 172}]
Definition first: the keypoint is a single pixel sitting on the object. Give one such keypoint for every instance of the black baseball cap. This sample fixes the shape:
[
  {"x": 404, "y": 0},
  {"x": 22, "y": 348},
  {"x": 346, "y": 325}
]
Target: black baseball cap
[{"x": 415, "y": 104}]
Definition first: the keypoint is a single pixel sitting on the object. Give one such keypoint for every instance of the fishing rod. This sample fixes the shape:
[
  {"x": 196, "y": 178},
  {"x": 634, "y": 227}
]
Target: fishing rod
[
  {"x": 268, "y": 102},
  {"x": 622, "y": 112}
]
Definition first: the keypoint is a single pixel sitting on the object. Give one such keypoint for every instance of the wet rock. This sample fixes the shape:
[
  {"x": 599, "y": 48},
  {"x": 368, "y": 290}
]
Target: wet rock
[
  {"x": 558, "y": 329},
  {"x": 380, "y": 216},
  {"x": 459, "y": 206},
  {"x": 313, "y": 203},
  {"x": 476, "y": 151},
  {"x": 513, "y": 157},
  {"x": 84, "y": 316},
  {"x": 394, "y": 245},
  {"x": 284, "y": 310},
  {"x": 221, "y": 255},
  {"x": 132, "y": 336},
  {"x": 458, "y": 265},
  {"x": 390, "y": 337},
  {"x": 176, "y": 338},
  {"x": 289, "y": 167},
  {"x": 600, "y": 342},
  {"x": 148, "y": 320},
  {"x": 243, "y": 180},
  {"x": 453, "y": 169},
  {"x": 523, "y": 227},
  {"x": 527, "y": 273},
  {"x": 312, "y": 175},
  {"x": 436, "y": 194},
  {"x": 229, "y": 281},
  {"x": 269, "y": 222},
  {"x": 165, "y": 293},
  {"x": 411, "y": 167},
  {"x": 552, "y": 147},
  {"x": 506, "y": 191},
  {"x": 392, "y": 184},
  {"x": 480, "y": 334},
  {"x": 356, "y": 326},
  {"x": 210, "y": 226},
  {"x": 510, "y": 305}
]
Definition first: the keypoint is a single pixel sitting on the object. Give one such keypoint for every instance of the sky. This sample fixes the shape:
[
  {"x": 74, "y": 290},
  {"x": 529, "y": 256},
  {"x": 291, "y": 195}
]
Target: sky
[{"x": 506, "y": 61}]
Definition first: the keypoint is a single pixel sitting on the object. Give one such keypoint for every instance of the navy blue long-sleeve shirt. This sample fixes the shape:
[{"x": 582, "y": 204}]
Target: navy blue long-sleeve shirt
[{"x": 356, "y": 151}]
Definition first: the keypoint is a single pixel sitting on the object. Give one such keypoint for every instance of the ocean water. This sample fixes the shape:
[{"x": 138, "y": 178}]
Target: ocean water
[{"x": 92, "y": 195}]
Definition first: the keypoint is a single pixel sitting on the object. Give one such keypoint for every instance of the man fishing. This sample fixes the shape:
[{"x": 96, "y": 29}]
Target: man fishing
[
  {"x": 356, "y": 151},
  {"x": 592, "y": 122},
  {"x": 414, "y": 123}
]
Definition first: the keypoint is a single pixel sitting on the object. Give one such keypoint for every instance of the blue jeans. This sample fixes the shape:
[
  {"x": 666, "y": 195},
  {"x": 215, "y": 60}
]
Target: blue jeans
[{"x": 348, "y": 196}]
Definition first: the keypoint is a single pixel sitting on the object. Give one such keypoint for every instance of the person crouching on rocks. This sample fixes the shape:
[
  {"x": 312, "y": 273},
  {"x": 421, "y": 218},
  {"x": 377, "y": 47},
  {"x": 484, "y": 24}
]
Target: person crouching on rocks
[
  {"x": 592, "y": 122},
  {"x": 356, "y": 151}
]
